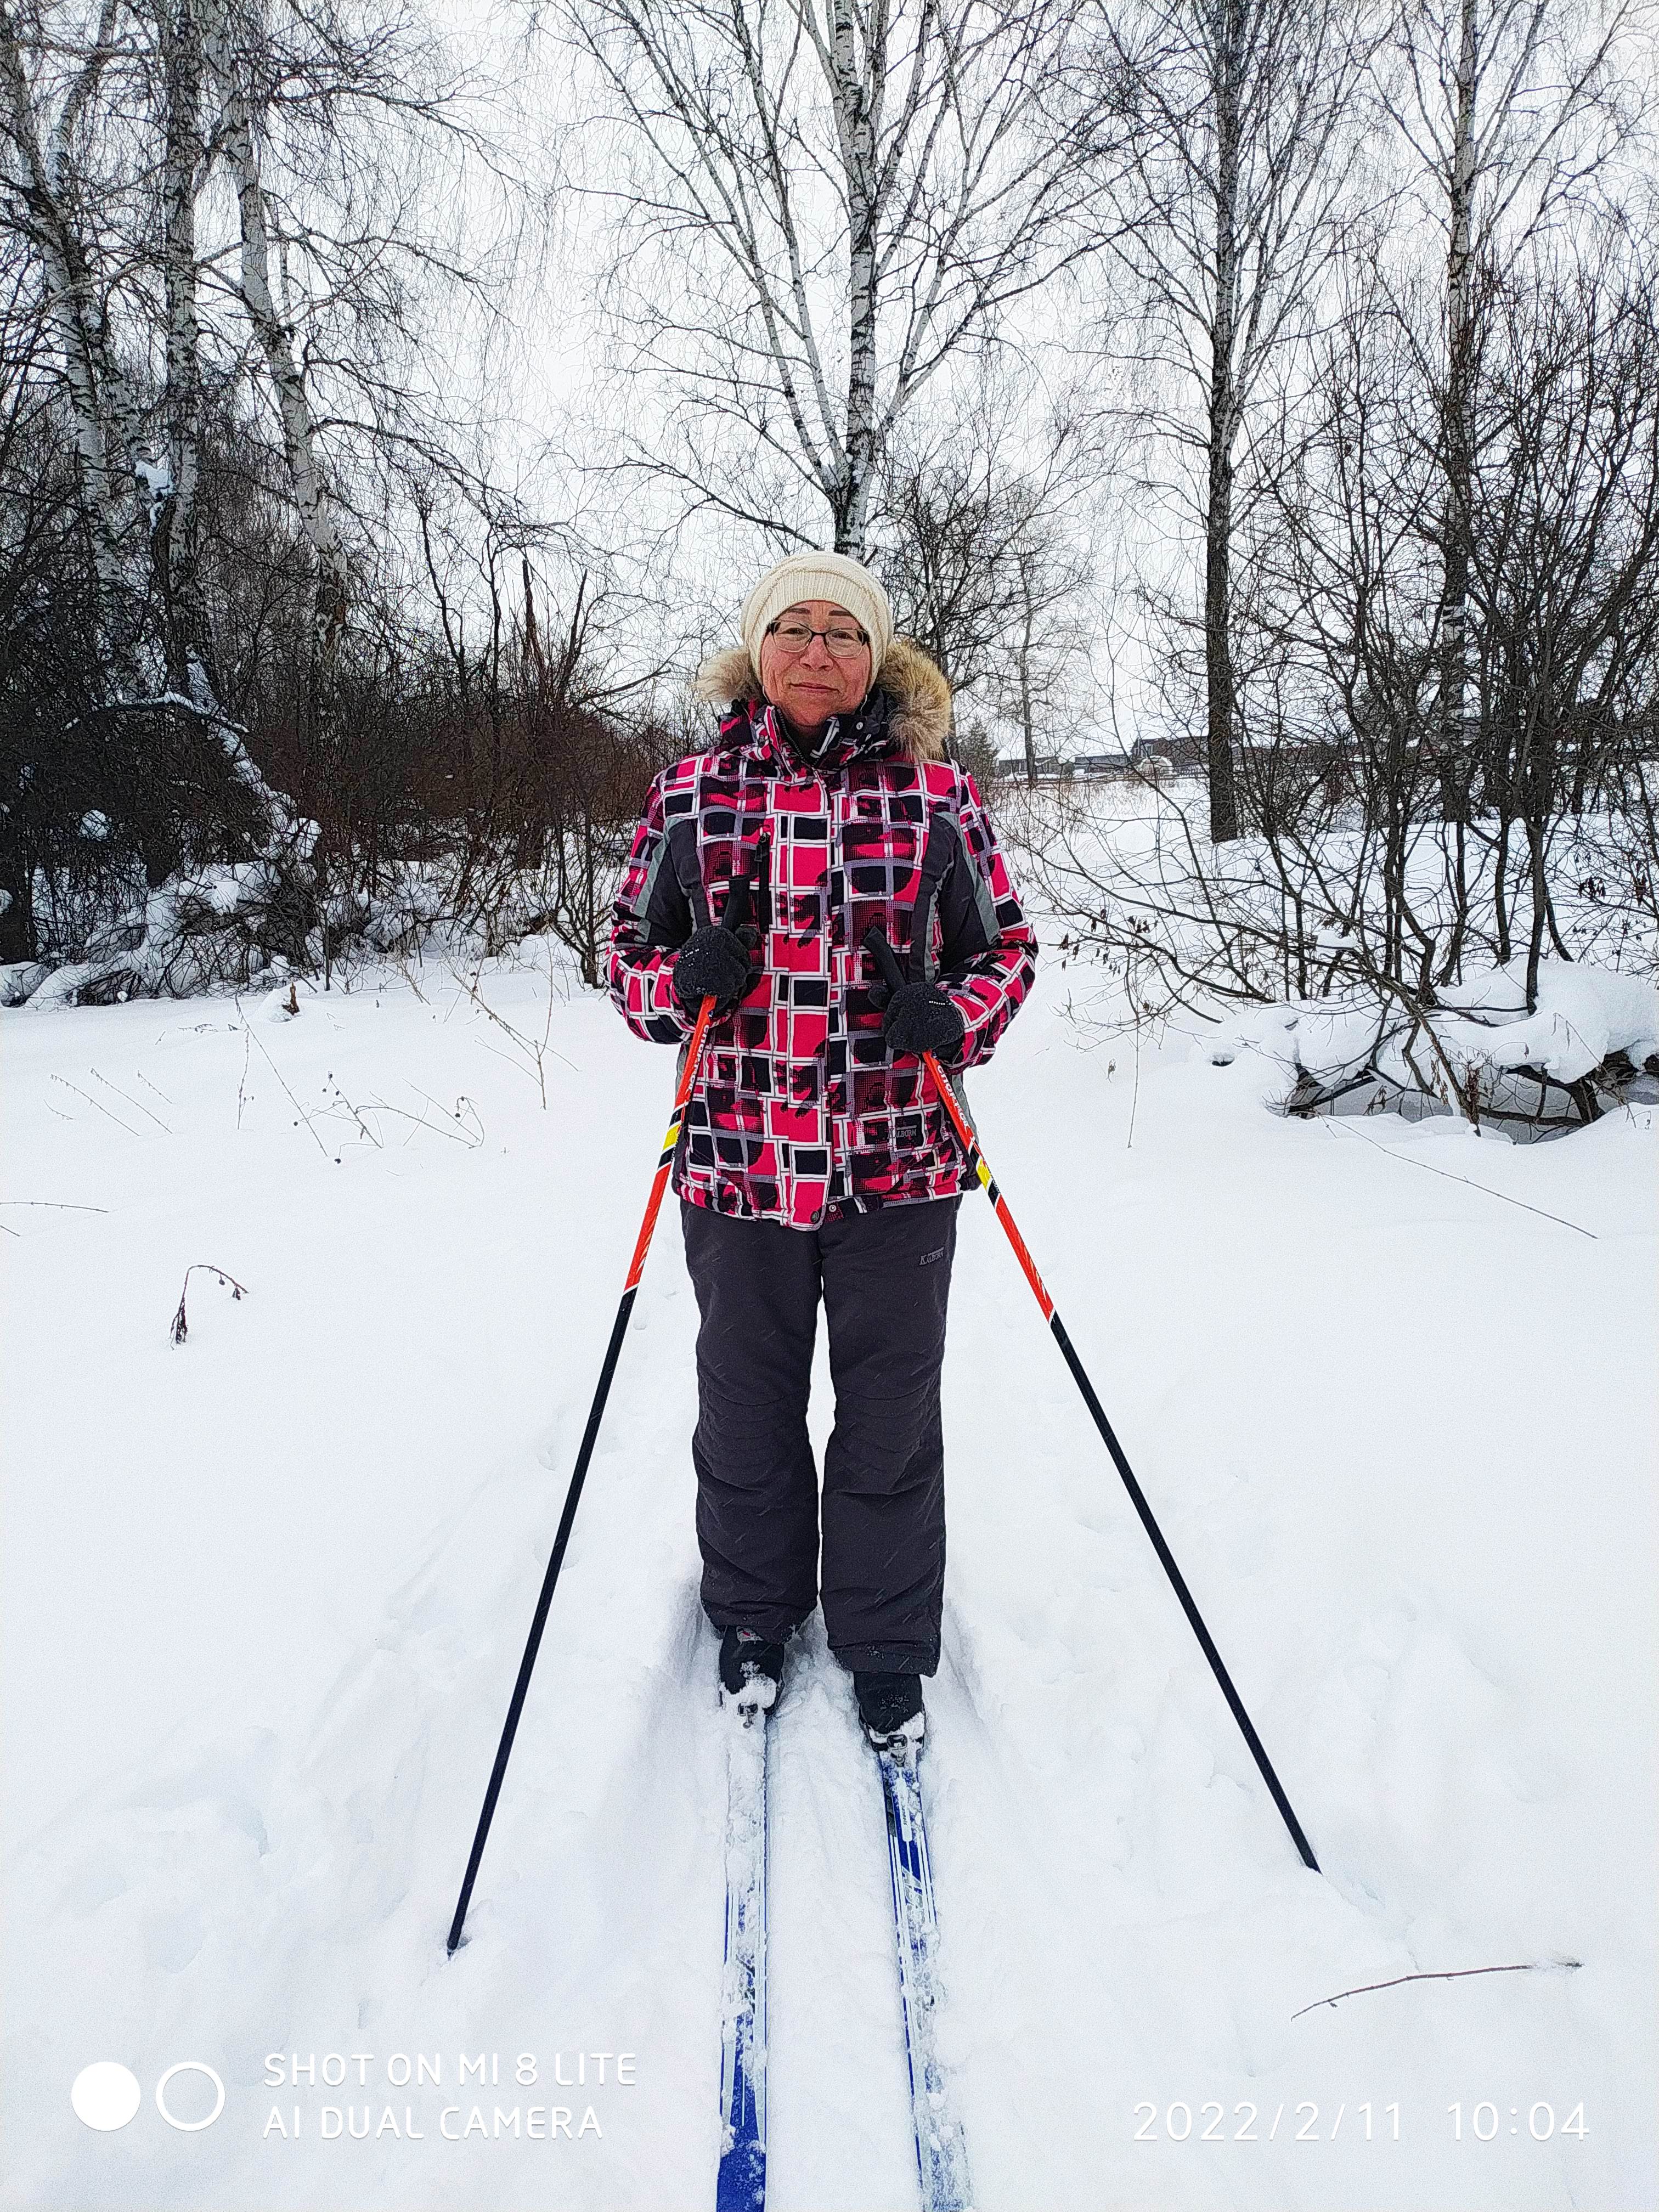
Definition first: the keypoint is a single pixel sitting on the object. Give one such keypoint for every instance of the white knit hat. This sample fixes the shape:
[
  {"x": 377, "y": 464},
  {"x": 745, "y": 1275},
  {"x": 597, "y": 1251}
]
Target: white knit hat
[{"x": 830, "y": 576}]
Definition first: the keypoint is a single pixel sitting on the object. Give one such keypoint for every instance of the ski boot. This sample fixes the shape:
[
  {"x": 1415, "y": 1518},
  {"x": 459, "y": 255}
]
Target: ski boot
[
  {"x": 890, "y": 1708},
  {"x": 751, "y": 1672}
]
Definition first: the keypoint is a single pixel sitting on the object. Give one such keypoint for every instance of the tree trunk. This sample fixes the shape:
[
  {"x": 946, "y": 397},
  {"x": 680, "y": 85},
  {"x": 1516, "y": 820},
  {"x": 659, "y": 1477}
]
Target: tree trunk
[
  {"x": 1540, "y": 903},
  {"x": 17, "y": 913},
  {"x": 1458, "y": 433},
  {"x": 275, "y": 338},
  {"x": 1025, "y": 716},
  {"x": 1221, "y": 700},
  {"x": 857, "y": 94},
  {"x": 98, "y": 410},
  {"x": 173, "y": 531}
]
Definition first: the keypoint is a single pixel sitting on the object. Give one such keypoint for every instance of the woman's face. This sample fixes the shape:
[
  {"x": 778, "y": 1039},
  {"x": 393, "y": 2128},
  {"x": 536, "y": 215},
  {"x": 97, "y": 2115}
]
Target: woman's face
[{"x": 812, "y": 685}]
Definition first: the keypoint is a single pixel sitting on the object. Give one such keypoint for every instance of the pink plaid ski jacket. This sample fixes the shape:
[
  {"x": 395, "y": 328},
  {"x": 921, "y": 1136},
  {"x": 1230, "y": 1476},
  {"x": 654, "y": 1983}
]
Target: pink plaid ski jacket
[{"x": 799, "y": 1111}]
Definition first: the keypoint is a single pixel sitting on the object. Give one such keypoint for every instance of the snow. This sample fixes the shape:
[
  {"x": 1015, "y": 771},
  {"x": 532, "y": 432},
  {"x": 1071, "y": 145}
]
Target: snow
[
  {"x": 1389, "y": 1389},
  {"x": 1584, "y": 1013},
  {"x": 155, "y": 474}
]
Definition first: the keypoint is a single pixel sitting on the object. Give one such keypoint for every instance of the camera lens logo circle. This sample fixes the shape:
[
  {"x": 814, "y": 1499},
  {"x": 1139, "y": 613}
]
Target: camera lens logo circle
[
  {"x": 105, "y": 2096},
  {"x": 189, "y": 2066}
]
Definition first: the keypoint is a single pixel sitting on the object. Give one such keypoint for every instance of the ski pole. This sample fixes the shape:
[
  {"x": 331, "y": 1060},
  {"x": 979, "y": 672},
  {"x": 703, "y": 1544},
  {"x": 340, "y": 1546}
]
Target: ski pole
[
  {"x": 876, "y": 944},
  {"x": 596, "y": 1414}
]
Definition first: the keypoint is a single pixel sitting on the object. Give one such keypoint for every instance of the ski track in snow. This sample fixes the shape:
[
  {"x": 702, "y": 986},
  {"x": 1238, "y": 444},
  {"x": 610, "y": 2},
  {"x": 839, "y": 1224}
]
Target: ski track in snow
[{"x": 265, "y": 1594}]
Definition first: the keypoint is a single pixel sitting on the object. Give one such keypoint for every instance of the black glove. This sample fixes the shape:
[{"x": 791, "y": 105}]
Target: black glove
[
  {"x": 714, "y": 962},
  {"x": 916, "y": 1017},
  {"x": 919, "y": 1017}
]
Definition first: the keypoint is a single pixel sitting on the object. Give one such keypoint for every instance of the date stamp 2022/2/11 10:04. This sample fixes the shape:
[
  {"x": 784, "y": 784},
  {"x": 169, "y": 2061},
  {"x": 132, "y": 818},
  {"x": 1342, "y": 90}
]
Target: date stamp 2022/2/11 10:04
[{"x": 1370, "y": 2121}]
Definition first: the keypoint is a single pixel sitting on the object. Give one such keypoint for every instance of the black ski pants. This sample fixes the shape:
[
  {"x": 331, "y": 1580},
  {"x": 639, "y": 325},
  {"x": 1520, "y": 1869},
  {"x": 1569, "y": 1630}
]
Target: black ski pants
[{"x": 884, "y": 1279}]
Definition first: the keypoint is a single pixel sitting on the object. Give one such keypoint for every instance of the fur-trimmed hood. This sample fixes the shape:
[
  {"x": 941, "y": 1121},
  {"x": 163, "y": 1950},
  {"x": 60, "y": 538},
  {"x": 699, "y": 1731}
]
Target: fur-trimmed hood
[{"x": 920, "y": 694}]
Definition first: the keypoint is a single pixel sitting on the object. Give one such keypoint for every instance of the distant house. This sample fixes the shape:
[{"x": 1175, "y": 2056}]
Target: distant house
[
  {"x": 1184, "y": 755},
  {"x": 1100, "y": 763},
  {"x": 1056, "y": 768}
]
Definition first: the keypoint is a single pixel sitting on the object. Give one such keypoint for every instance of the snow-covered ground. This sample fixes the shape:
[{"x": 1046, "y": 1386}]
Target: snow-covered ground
[{"x": 266, "y": 1593}]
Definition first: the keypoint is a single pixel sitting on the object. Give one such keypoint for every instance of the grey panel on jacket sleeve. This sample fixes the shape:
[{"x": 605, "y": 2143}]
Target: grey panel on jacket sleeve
[
  {"x": 967, "y": 913},
  {"x": 641, "y": 905},
  {"x": 982, "y": 899}
]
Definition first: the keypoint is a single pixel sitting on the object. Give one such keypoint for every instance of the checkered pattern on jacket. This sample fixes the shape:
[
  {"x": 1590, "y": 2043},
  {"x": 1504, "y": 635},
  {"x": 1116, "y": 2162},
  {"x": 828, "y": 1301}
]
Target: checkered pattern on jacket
[{"x": 799, "y": 1110}]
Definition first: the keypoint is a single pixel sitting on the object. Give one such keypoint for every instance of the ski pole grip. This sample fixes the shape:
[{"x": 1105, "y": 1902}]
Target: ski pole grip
[
  {"x": 876, "y": 945},
  {"x": 736, "y": 913}
]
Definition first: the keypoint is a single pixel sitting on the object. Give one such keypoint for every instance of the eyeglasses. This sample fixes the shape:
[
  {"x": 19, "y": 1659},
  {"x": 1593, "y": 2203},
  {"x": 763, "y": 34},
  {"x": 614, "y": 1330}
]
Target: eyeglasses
[{"x": 843, "y": 640}]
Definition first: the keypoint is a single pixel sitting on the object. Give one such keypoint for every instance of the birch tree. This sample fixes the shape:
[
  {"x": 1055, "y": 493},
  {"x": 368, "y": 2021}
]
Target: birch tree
[
  {"x": 177, "y": 557},
  {"x": 1240, "y": 122},
  {"x": 273, "y": 336},
  {"x": 1510, "y": 109},
  {"x": 44, "y": 112},
  {"x": 824, "y": 201}
]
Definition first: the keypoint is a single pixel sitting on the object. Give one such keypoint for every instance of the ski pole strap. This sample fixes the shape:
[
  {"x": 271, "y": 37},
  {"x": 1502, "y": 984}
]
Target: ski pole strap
[
  {"x": 876, "y": 945},
  {"x": 935, "y": 861},
  {"x": 735, "y": 914},
  {"x": 687, "y": 862}
]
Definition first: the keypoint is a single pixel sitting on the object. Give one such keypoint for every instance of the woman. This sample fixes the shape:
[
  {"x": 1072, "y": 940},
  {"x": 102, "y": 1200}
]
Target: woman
[{"x": 818, "y": 1162}]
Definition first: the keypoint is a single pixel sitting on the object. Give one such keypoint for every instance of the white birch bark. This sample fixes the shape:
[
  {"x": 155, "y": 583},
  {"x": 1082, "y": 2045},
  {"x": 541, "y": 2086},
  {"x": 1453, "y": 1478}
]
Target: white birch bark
[
  {"x": 176, "y": 525},
  {"x": 275, "y": 338},
  {"x": 39, "y": 158},
  {"x": 856, "y": 95},
  {"x": 175, "y": 536}
]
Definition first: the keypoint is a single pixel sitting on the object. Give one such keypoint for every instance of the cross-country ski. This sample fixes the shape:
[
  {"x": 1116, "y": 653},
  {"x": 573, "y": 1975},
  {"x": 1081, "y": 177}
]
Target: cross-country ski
[
  {"x": 741, "y": 2185},
  {"x": 941, "y": 2149}
]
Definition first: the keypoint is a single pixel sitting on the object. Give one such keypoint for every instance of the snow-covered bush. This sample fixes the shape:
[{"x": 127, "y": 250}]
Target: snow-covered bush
[
  {"x": 221, "y": 927},
  {"x": 1481, "y": 1053},
  {"x": 1381, "y": 953},
  {"x": 18, "y": 978}
]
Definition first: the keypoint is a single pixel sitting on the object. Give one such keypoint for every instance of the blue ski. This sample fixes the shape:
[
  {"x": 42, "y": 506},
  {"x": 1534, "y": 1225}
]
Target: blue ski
[
  {"x": 941, "y": 2149},
  {"x": 741, "y": 2186}
]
